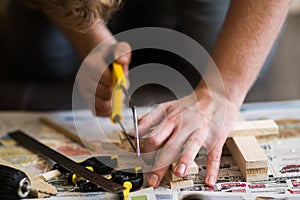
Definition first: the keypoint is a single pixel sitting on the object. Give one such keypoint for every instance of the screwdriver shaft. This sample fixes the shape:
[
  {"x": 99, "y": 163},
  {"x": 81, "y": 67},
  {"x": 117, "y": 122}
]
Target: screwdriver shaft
[
  {"x": 136, "y": 130},
  {"x": 125, "y": 133}
]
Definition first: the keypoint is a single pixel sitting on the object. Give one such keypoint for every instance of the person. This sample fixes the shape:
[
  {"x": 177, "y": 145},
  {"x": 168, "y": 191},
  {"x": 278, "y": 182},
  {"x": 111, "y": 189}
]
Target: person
[{"x": 246, "y": 37}]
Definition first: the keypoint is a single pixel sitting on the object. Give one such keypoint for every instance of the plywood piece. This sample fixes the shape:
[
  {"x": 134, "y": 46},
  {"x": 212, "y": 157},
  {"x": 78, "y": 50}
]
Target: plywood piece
[
  {"x": 249, "y": 156},
  {"x": 181, "y": 184},
  {"x": 256, "y": 128},
  {"x": 37, "y": 184},
  {"x": 193, "y": 168}
]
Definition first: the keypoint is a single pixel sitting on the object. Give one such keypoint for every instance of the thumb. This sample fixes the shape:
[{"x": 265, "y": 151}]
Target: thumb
[{"x": 122, "y": 54}]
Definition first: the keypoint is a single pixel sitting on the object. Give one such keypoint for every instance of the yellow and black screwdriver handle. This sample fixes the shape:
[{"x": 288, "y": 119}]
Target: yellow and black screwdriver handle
[{"x": 118, "y": 82}]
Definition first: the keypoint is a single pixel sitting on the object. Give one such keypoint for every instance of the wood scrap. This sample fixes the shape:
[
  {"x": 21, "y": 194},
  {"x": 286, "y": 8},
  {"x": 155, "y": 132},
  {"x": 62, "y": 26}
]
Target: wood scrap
[
  {"x": 255, "y": 127},
  {"x": 50, "y": 175},
  {"x": 249, "y": 156}
]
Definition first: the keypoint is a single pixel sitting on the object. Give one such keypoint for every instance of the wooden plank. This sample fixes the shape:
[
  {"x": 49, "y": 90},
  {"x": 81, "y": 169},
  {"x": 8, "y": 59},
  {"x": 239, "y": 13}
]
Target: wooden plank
[
  {"x": 38, "y": 186},
  {"x": 247, "y": 152},
  {"x": 249, "y": 156},
  {"x": 256, "y": 128}
]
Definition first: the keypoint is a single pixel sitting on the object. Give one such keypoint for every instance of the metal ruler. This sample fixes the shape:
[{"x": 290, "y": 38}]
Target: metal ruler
[{"x": 37, "y": 147}]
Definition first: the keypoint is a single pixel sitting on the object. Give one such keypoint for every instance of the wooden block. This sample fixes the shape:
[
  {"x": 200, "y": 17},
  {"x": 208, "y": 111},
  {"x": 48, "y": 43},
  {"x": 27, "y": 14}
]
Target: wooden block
[
  {"x": 256, "y": 128},
  {"x": 250, "y": 152},
  {"x": 181, "y": 184},
  {"x": 193, "y": 168},
  {"x": 172, "y": 177},
  {"x": 50, "y": 175},
  {"x": 37, "y": 184},
  {"x": 256, "y": 174},
  {"x": 248, "y": 155}
]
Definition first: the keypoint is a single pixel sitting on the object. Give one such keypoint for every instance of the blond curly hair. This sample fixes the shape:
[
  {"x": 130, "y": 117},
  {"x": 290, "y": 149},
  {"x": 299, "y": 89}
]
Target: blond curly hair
[{"x": 79, "y": 15}]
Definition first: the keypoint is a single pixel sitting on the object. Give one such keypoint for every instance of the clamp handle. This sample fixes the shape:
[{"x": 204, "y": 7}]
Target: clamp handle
[{"x": 118, "y": 83}]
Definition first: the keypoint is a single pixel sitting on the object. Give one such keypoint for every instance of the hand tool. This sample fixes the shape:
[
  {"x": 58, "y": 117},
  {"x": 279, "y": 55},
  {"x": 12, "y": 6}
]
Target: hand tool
[
  {"x": 105, "y": 165},
  {"x": 119, "y": 85},
  {"x": 132, "y": 175},
  {"x": 101, "y": 164},
  {"x": 14, "y": 184},
  {"x": 131, "y": 178},
  {"x": 35, "y": 146}
]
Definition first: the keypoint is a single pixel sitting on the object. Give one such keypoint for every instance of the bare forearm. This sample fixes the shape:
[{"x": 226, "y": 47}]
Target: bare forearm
[
  {"x": 82, "y": 21},
  {"x": 248, "y": 34},
  {"x": 85, "y": 42}
]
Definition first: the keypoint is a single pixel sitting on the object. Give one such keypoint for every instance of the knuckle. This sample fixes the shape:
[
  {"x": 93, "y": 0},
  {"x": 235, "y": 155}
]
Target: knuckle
[
  {"x": 125, "y": 45},
  {"x": 196, "y": 140},
  {"x": 215, "y": 158},
  {"x": 172, "y": 147},
  {"x": 155, "y": 141}
]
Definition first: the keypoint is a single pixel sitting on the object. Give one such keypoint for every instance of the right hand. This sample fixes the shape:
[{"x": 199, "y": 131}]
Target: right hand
[{"x": 94, "y": 66}]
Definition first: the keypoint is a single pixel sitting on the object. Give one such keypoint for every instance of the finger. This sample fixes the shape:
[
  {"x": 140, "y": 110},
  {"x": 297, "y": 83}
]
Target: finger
[
  {"x": 103, "y": 113},
  {"x": 152, "y": 119},
  {"x": 103, "y": 107},
  {"x": 104, "y": 92},
  {"x": 122, "y": 54},
  {"x": 95, "y": 67},
  {"x": 86, "y": 86},
  {"x": 176, "y": 131},
  {"x": 170, "y": 151},
  {"x": 156, "y": 176},
  {"x": 213, "y": 164},
  {"x": 165, "y": 157},
  {"x": 106, "y": 78},
  {"x": 192, "y": 147},
  {"x": 158, "y": 137}
]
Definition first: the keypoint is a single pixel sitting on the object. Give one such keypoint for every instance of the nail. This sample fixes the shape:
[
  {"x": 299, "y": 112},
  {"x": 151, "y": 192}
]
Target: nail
[
  {"x": 211, "y": 180},
  {"x": 152, "y": 180},
  {"x": 181, "y": 169}
]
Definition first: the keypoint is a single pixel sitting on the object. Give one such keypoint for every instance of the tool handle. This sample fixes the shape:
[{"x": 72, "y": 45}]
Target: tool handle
[
  {"x": 118, "y": 81},
  {"x": 14, "y": 184}
]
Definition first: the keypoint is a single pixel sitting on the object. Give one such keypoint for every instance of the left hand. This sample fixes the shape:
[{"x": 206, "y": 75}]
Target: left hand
[{"x": 180, "y": 129}]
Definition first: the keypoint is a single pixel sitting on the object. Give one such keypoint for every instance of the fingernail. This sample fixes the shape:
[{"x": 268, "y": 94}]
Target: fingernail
[
  {"x": 212, "y": 180},
  {"x": 181, "y": 169},
  {"x": 153, "y": 179}
]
